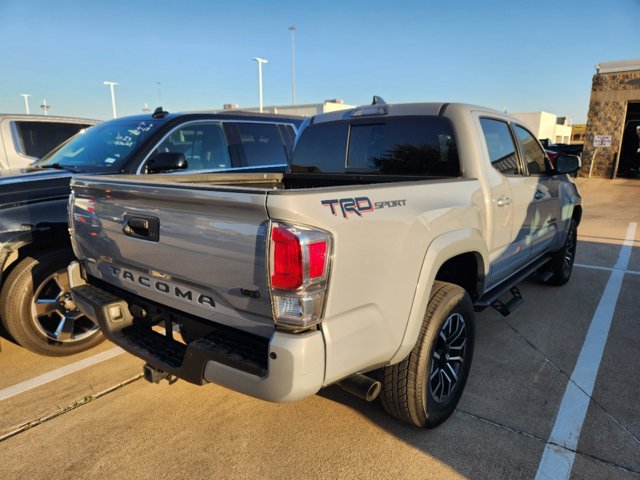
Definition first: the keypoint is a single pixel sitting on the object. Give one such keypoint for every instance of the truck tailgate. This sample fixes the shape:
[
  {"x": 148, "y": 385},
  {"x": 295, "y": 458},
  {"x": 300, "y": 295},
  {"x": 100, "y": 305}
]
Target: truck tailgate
[{"x": 201, "y": 251}]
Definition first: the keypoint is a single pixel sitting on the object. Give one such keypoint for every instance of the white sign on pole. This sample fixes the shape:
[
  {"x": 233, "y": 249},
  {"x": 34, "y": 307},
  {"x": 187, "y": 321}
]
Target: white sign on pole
[{"x": 602, "y": 141}]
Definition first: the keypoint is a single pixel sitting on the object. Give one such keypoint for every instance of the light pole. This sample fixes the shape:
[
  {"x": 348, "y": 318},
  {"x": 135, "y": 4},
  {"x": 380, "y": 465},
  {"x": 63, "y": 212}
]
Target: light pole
[
  {"x": 292, "y": 28},
  {"x": 113, "y": 97},
  {"x": 260, "y": 62},
  {"x": 44, "y": 106},
  {"x": 26, "y": 101}
]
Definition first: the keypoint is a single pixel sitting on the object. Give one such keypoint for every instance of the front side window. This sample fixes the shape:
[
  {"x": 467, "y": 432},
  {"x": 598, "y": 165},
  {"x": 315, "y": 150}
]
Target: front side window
[
  {"x": 203, "y": 145},
  {"x": 502, "y": 150},
  {"x": 531, "y": 151},
  {"x": 38, "y": 138}
]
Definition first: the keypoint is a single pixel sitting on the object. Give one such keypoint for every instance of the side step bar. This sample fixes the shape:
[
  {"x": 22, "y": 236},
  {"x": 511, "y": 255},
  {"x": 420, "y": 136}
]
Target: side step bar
[
  {"x": 505, "y": 308},
  {"x": 492, "y": 297}
]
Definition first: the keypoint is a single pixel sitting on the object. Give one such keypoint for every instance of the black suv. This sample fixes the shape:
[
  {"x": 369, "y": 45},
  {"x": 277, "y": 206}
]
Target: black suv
[{"x": 35, "y": 307}]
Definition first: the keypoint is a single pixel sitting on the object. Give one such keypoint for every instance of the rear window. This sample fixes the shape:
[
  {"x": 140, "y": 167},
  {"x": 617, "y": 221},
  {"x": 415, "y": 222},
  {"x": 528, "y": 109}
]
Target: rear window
[
  {"x": 421, "y": 146},
  {"x": 38, "y": 138}
]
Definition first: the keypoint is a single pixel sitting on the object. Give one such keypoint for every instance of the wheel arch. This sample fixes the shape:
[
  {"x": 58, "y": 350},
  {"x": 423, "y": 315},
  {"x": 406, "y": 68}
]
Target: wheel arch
[
  {"x": 24, "y": 244},
  {"x": 443, "y": 259},
  {"x": 577, "y": 214}
]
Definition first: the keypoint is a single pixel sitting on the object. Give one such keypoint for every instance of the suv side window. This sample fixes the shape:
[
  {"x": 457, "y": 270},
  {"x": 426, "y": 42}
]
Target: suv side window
[
  {"x": 533, "y": 155},
  {"x": 502, "y": 149},
  {"x": 257, "y": 144},
  {"x": 203, "y": 144}
]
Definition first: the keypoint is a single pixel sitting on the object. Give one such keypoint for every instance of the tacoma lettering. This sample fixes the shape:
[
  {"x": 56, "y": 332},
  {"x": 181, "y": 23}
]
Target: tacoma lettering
[{"x": 163, "y": 287}]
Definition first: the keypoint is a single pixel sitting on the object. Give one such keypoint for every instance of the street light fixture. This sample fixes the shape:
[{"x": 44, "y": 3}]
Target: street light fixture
[
  {"x": 26, "y": 101},
  {"x": 260, "y": 62},
  {"x": 113, "y": 97},
  {"x": 292, "y": 28}
]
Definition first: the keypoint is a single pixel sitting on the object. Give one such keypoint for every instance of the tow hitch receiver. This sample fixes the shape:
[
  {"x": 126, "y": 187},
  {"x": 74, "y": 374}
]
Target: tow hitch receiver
[{"x": 155, "y": 375}]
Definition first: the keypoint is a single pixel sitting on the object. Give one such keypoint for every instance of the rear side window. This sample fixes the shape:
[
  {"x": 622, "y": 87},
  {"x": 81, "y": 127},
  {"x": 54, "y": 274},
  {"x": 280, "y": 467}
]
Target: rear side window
[
  {"x": 502, "y": 150},
  {"x": 261, "y": 144},
  {"x": 421, "y": 146},
  {"x": 38, "y": 138}
]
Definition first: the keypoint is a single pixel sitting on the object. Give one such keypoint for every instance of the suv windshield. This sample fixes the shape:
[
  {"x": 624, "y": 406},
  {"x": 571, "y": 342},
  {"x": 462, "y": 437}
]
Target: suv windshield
[{"x": 104, "y": 147}]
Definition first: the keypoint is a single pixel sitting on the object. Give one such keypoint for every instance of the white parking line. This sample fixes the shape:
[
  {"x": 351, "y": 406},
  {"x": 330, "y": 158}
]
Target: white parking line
[
  {"x": 32, "y": 383},
  {"x": 607, "y": 269},
  {"x": 559, "y": 452}
]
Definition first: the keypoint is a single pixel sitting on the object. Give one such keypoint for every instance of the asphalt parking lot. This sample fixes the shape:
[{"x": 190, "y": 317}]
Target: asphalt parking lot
[{"x": 553, "y": 388}]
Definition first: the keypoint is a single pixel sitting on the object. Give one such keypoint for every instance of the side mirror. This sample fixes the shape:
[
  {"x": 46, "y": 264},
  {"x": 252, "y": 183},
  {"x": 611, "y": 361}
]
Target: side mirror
[
  {"x": 567, "y": 164},
  {"x": 165, "y": 161}
]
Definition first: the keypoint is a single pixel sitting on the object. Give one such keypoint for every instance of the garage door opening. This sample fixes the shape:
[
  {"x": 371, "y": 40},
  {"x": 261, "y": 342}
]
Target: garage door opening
[{"x": 629, "y": 165}]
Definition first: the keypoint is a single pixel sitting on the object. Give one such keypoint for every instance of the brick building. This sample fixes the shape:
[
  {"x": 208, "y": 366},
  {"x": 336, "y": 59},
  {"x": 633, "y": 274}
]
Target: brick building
[{"x": 614, "y": 110}]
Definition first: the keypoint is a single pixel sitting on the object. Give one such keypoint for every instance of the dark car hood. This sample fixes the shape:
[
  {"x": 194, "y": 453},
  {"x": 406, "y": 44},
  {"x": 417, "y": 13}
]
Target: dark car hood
[
  {"x": 29, "y": 185},
  {"x": 29, "y": 174}
]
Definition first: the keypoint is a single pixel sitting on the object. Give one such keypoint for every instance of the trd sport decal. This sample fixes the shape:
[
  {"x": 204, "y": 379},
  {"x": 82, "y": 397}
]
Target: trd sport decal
[{"x": 359, "y": 205}]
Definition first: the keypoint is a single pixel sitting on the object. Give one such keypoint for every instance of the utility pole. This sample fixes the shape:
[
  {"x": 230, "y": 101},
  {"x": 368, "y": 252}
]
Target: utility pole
[
  {"x": 113, "y": 97},
  {"x": 292, "y": 28},
  {"x": 26, "y": 102},
  {"x": 260, "y": 62}
]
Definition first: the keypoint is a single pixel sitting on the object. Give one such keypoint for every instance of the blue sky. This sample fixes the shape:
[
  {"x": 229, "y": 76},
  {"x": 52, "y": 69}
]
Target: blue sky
[{"x": 522, "y": 56}]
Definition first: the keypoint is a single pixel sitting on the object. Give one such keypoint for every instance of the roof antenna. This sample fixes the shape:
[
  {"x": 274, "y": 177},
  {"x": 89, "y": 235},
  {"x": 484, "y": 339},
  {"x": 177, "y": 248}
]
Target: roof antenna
[
  {"x": 378, "y": 100},
  {"x": 159, "y": 113}
]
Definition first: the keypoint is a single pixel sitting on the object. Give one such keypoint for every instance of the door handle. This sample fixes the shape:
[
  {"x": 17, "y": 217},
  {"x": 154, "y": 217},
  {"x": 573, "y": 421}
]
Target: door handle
[
  {"x": 539, "y": 195},
  {"x": 503, "y": 201},
  {"x": 146, "y": 228}
]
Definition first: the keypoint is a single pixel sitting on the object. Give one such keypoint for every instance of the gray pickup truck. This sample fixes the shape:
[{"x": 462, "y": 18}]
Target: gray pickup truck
[{"x": 361, "y": 266}]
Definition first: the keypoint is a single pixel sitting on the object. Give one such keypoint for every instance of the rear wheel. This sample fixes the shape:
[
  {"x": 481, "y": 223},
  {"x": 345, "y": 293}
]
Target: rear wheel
[
  {"x": 37, "y": 309},
  {"x": 425, "y": 388},
  {"x": 562, "y": 261}
]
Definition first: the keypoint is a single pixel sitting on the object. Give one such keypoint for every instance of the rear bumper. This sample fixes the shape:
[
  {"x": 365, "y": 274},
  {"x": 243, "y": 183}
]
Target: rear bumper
[{"x": 285, "y": 367}]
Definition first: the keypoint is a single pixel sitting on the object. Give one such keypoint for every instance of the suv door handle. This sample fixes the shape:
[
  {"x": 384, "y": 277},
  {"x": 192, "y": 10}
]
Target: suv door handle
[
  {"x": 539, "y": 195},
  {"x": 503, "y": 201}
]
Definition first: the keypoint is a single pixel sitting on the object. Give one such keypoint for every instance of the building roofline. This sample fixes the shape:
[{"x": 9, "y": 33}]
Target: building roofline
[{"x": 618, "y": 66}]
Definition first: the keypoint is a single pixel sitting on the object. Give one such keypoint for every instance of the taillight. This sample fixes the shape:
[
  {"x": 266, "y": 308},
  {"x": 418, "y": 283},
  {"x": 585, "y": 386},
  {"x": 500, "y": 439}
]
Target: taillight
[
  {"x": 317, "y": 259},
  {"x": 299, "y": 262},
  {"x": 287, "y": 260}
]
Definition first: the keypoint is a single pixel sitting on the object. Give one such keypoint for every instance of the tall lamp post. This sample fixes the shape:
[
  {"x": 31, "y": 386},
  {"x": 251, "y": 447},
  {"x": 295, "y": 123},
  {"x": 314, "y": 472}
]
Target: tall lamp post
[
  {"x": 292, "y": 28},
  {"x": 260, "y": 62},
  {"x": 113, "y": 96},
  {"x": 26, "y": 101}
]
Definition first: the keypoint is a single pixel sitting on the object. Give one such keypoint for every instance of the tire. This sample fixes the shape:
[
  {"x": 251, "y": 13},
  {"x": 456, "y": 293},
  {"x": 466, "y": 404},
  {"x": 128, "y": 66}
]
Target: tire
[
  {"x": 561, "y": 263},
  {"x": 419, "y": 390},
  {"x": 37, "y": 312}
]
